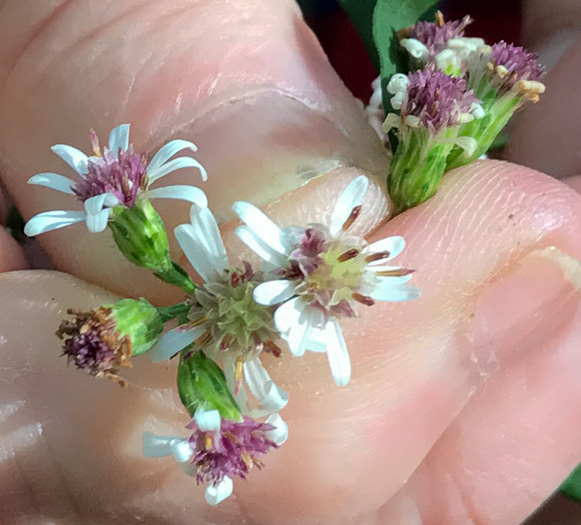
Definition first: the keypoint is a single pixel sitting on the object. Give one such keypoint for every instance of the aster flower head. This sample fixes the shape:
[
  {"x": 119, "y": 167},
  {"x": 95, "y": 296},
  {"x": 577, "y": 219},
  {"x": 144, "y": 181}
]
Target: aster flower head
[
  {"x": 514, "y": 68},
  {"x": 431, "y": 99},
  {"x": 323, "y": 274},
  {"x": 224, "y": 319},
  {"x": 102, "y": 340},
  {"x": 219, "y": 449},
  {"x": 113, "y": 177},
  {"x": 435, "y": 36}
]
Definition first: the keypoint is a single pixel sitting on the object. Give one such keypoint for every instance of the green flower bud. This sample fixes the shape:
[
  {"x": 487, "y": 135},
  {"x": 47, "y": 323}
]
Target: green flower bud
[{"x": 202, "y": 385}]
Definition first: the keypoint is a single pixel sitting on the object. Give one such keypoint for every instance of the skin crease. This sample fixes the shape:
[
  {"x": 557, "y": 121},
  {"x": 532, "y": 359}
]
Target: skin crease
[{"x": 440, "y": 397}]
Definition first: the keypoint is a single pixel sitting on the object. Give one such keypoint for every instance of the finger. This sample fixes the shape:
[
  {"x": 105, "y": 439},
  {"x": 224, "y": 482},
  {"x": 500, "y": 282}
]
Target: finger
[
  {"x": 11, "y": 254},
  {"x": 511, "y": 447},
  {"x": 415, "y": 366},
  {"x": 257, "y": 96},
  {"x": 545, "y": 136},
  {"x": 574, "y": 182}
]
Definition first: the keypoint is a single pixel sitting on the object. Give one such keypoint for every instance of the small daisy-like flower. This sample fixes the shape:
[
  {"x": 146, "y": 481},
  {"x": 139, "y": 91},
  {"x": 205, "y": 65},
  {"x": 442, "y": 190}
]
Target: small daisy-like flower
[
  {"x": 102, "y": 340},
  {"x": 224, "y": 319},
  {"x": 113, "y": 177},
  {"x": 325, "y": 274},
  {"x": 432, "y": 100},
  {"x": 219, "y": 449}
]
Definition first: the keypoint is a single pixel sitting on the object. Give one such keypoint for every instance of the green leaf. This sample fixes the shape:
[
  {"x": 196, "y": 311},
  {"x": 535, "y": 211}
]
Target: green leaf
[
  {"x": 389, "y": 17},
  {"x": 360, "y": 12},
  {"x": 572, "y": 485}
]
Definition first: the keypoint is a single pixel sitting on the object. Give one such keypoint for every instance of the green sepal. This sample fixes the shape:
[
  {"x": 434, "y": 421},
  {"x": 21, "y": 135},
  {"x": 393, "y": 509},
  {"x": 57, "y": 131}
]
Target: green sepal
[
  {"x": 138, "y": 320},
  {"x": 141, "y": 237},
  {"x": 417, "y": 168},
  {"x": 202, "y": 386},
  {"x": 175, "y": 311}
]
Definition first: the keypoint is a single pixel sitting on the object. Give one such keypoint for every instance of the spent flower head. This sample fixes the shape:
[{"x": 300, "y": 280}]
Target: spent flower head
[
  {"x": 113, "y": 177},
  {"x": 322, "y": 274},
  {"x": 102, "y": 340}
]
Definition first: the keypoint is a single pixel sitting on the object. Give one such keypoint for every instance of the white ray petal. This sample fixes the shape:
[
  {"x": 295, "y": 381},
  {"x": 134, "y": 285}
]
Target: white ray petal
[
  {"x": 217, "y": 493},
  {"x": 52, "y": 220},
  {"x": 394, "y": 245},
  {"x": 274, "y": 292},
  {"x": 54, "y": 181},
  {"x": 167, "y": 151},
  {"x": 258, "y": 246},
  {"x": 288, "y": 314},
  {"x": 172, "y": 342},
  {"x": 155, "y": 446},
  {"x": 280, "y": 434},
  {"x": 174, "y": 165},
  {"x": 269, "y": 395},
  {"x": 261, "y": 225},
  {"x": 415, "y": 48},
  {"x": 182, "y": 450},
  {"x": 395, "y": 293},
  {"x": 97, "y": 222},
  {"x": 351, "y": 197},
  {"x": 179, "y": 191},
  {"x": 337, "y": 353},
  {"x": 196, "y": 252},
  {"x": 230, "y": 373},
  {"x": 204, "y": 225},
  {"x": 208, "y": 420},
  {"x": 75, "y": 158},
  {"x": 393, "y": 279},
  {"x": 119, "y": 138},
  {"x": 94, "y": 205},
  {"x": 298, "y": 336}
]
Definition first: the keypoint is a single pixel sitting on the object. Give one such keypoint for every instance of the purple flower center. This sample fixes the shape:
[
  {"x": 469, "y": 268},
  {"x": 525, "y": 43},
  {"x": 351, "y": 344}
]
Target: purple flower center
[
  {"x": 122, "y": 173},
  {"x": 436, "y": 99},
  {"x": 232, "y": 452},
  {"x": 521, "y": 64},
  {"x": 89, "y": 352},
  {"x": 436, "y": 37}
]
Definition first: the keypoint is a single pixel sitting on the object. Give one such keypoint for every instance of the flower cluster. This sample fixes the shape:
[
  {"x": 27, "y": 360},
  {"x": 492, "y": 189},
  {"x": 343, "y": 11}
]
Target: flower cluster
[
  {"x": 450, "y": 108},
  {"x": 309, "y": 279}
]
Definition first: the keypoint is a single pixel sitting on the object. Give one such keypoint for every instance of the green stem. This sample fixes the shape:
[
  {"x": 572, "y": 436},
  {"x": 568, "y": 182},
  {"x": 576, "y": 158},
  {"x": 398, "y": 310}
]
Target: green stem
[{"x": 168, "y": 313}]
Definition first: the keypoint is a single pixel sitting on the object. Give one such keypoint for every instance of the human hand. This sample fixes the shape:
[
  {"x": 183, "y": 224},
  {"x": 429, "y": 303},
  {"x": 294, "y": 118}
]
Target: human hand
[{"x": 453, "y": 397}]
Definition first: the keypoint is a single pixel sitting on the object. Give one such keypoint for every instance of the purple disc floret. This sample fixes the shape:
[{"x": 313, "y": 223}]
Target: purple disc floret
[
  {"x": 436, "y": 37},
  {"x": 88, "y": 351},
  {"x": 121, "y": 173},
  {"x": 520, "y": 63},
  {"x": 232, "y": 451},
  {"x": 436, "y": 99}
]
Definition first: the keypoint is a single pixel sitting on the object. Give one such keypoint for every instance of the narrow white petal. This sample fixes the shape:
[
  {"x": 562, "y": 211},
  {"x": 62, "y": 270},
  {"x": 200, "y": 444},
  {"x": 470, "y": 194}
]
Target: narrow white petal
[
  {"x": 54, "y": 181},
  {"x": 261, "y": 225},
  {"x": 182, "y": 450},
  {"x": 288, "y": 314},
  {"x": 394, "y": 245},
  {"x": 94, "y": 205},
  {"x": 196, "y": 252},
  {"x": 159, "y": 446},
  {"x": 217, "y": 493},
  {"x": 208, "y": 420},
  {"x": 280, "y": 434},
  {"x": 269, "y": 395},
  {"x": 395, "y": 293},
  {"x": 337, "y": 353},
  {"x": 174, "y": 165},
  {"x": 230, "y": 373},
  {"x": 258, "y": 246},
  {"x": 181, "y": 192},
  {"x": 172, "y": 342},
  {"x": 398, "y": 83},
  {"x": 274, "y": 292},
  {"x": 206, "y": 228},
  {"x": 97, "y": 222},
  {"x": 351, "y": 197},
  {"x": 168, "y": 151},
  {"x": 298, "y": 336},
  {"x": 75, "y": 158},
  {"x": 52, "y": 220},
  {"x": 119, "y": 138},
  {"x": 415, "y": 48}
]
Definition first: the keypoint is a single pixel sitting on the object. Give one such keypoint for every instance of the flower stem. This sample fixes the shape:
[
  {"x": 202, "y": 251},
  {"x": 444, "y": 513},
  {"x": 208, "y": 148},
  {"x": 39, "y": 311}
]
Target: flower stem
[{"x": 168, "y": 313}]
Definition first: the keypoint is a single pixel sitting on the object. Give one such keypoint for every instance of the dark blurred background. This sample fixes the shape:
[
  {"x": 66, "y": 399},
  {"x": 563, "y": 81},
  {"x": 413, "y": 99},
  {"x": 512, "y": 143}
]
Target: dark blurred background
[{"x": 494, "y": 20}]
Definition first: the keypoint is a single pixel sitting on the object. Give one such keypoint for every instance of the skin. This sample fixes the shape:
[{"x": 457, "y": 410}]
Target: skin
[{"x": 461, "y": 390}]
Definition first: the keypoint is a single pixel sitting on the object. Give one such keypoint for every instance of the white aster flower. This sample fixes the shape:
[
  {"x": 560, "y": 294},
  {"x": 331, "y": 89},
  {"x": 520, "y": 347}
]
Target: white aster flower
[
  {"x": 324, "y": 273},
  {"x": 114, "y": 177}
]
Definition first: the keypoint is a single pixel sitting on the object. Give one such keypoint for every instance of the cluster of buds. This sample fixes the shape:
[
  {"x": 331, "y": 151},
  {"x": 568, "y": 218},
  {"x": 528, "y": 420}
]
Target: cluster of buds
[{"x": 458, "y": 97}]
